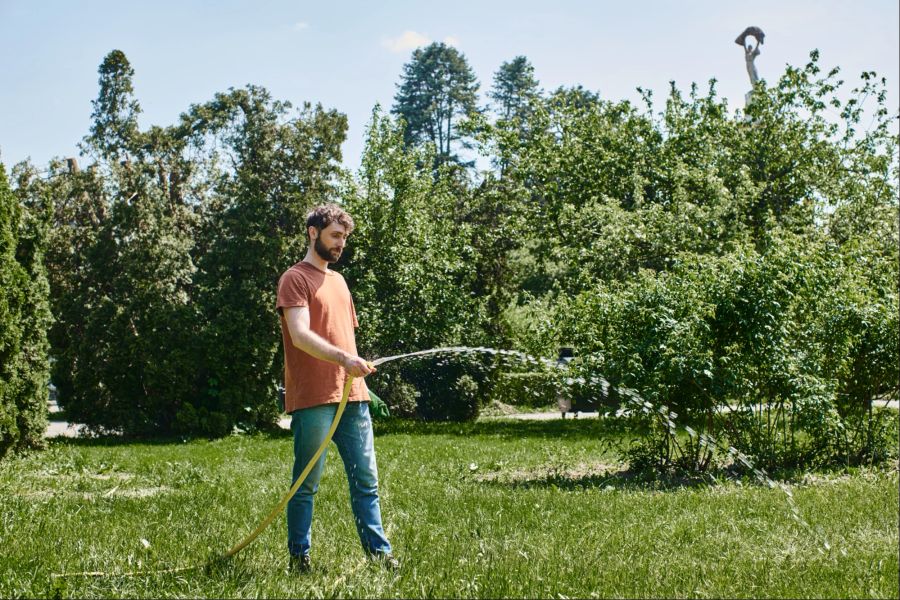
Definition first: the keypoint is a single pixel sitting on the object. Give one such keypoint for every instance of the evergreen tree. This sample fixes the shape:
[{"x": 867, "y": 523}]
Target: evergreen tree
[
  {"x": 283, "y": 165},
  {"x": 516, "y": 97},
  {"x": 114, "y": 131},
  {"x": 515, "y": 90},
  {"x": 24, "y": 319},
  {"x": 437, "y": 89},
  {"x": 120, "y": 272}
]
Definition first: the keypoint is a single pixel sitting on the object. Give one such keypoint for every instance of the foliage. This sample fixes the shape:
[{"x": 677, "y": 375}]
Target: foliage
[
  {"x": 452, "y": 391},
  {"x": 120, "y": 276},
  {"x": 532, "y": 389},
  {"x": 281, "y": 167},
  {"x": 400, "y": 395},
  {"x": 437, "y": 89},
  {"x": 515, "y": 89},
  {"x": 163, "y": 266},
  {"x": 114, "y": 131},
  {"x": 759, "y": 349},
  {"x": 615, "y": 189},
  {"x": 24, "y": 319},
  {"x": 406, "y": 266},
  {"x": 516, "y": 95},
  {"x": 709, "y": 261},
  {"x": 739, "y": 268}
]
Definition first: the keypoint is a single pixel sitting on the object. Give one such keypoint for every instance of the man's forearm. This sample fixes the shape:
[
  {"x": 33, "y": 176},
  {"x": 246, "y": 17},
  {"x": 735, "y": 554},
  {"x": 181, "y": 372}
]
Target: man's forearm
[{"x": 315, "y": 345}]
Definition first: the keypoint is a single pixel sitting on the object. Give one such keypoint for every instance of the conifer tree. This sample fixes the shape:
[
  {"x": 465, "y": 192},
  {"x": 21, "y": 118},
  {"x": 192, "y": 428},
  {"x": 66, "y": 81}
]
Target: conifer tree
[
  {"x": 437, "y": 89},
  {"x": 24, "y": 318}
]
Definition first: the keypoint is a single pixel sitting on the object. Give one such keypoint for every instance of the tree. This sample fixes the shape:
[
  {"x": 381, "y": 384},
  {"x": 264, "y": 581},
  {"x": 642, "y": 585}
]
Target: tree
[
  {"x": 114, "y": 131},
  {"x": 516, "y": 96},
  {"x": 405, "y": 265},
  {"x": 282, "y": 165},
  {"x": 24, "y": 319},
  {"x": 722, "y": 259},
  {"x": 131, "y": 362},
  {"x": 120, "y": 271},
  {"x": 515, "y": 90},
  {"x": 437, "y": 88},
  {"x": 411, "y": 274}
]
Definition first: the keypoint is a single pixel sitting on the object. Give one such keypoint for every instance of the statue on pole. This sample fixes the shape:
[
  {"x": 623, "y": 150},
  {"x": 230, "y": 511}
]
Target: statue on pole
[{"x": 751, "y": 51}]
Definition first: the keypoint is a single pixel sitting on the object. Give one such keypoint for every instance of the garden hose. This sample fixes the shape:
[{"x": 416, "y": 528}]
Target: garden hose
[{"x": 265, "y": 522}]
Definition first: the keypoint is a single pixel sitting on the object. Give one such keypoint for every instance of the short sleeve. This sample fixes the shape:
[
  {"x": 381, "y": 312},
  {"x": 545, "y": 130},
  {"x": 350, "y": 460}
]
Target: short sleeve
[{"x": 292, "y": 291}]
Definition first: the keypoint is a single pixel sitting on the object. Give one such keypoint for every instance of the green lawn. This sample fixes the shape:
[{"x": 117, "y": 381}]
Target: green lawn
[{"x": 493, "y": 509}]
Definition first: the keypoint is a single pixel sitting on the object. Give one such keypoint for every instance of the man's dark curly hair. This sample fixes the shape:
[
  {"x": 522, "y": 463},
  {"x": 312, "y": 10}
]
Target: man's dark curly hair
[{"x": 322, "y": 216}]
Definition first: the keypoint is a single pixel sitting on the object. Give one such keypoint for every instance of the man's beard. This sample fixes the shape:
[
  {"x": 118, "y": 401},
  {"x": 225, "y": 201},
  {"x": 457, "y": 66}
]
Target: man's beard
[{"x": 324, "y": 253}]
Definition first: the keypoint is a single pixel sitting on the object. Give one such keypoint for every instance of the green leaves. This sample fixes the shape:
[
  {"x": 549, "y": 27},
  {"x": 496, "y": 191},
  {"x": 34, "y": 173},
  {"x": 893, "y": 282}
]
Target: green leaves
[
  {"x": 114, "y": 133},
  {"x": 408, "y": 258},
  {"x": 163, "y": 265},
  {"x": 797, "y": 329},
  {"x": 24, "y": 319},
  {"x": 438, "y": 88},
  {"x": 703, "y": 257}
]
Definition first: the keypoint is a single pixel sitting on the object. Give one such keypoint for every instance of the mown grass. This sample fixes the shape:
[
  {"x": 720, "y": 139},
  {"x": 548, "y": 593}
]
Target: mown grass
[{"x": 493, "y": 509}]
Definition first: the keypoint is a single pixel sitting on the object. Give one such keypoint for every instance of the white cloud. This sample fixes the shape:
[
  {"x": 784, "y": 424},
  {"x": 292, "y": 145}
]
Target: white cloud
[
  {"x": 300, "y": 25},
  {"x": 452, "y": 40},
  {"x": 408, "y": 40}
]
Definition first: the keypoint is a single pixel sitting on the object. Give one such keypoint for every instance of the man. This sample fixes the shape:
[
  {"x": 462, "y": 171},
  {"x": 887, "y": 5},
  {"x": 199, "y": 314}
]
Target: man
[{"x": 317, "y": 323}]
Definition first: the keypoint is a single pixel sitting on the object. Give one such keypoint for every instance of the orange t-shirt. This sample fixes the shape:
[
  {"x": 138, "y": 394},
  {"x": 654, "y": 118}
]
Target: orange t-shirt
[{"x": 309, "y": 381}]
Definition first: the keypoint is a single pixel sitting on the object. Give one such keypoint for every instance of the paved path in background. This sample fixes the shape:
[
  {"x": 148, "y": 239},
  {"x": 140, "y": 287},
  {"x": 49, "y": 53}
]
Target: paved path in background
[
  {"x": 541, "y": 416},
  {"x": 72, "y": 430},
  {"x": 64, "y": 429},
  {"x": 59, "y": 428},
  {"x": 550, "y": 416}
]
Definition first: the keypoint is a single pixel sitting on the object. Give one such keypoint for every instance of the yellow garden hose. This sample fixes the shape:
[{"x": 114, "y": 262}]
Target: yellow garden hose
[
  {"x": 265, "y": 522},
  {"x": 312, "y": 461}
]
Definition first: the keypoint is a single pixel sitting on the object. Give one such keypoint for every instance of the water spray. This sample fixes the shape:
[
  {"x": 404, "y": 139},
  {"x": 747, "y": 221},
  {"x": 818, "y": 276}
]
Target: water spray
[{"x": 667, "y": 417}]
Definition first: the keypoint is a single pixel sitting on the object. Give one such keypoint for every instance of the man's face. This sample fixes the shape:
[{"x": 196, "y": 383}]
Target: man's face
[{"x": 329, "y": 243}]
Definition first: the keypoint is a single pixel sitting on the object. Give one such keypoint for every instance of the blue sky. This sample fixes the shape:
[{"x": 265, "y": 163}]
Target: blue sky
[{"x": 349, "y": 55}]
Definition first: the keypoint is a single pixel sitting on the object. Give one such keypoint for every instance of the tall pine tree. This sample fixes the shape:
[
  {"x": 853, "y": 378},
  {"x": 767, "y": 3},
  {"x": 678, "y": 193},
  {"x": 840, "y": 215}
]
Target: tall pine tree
[
  {"x": 437, "y": 89},
  {"x": 515, "y": 90},
  {"x": 114, "y": 132}
]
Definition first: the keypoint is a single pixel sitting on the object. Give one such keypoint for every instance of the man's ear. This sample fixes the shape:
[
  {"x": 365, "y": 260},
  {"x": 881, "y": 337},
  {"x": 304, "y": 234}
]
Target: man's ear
[{"x": 312, "y": 233}]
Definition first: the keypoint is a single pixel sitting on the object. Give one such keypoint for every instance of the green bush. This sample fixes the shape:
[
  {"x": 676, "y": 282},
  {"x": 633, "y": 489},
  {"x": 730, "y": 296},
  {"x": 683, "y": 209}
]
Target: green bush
[
  {"x": 24, "y": 319},
  {"x": 539, "y": 389},
  {"x": 447, "y": 390},
  {"x": 400, "y": 396},
  {"x": 532, "y": 389},
  {"x": 779, "y": 352}
]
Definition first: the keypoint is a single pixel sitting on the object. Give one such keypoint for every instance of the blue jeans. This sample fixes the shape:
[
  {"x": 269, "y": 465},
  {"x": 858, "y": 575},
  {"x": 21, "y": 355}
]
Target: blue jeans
[{"x": 356, "y": 445}]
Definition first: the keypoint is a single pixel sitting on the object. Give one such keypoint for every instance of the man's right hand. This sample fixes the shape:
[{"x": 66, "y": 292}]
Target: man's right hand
[{"x": 356, "y": 366}]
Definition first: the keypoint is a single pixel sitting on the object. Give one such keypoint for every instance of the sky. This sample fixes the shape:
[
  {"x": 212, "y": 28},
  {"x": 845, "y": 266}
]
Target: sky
[{"x": 349, "y": 55}]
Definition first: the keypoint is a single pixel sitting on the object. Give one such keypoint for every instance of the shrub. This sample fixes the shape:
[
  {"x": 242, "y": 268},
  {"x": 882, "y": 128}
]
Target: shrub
[
  {"x": 400, "y": 395},
  {"x": 779, "y": 352},
  {"x": 447, "y": 390},
  {"x": 24, "y": 319},
  {"x": 534, "y": 389}
]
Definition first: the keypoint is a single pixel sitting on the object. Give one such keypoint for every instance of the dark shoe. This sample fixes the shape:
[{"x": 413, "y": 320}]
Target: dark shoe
[
  {"x": 300, "y": 563},
  {"x": 387, "y": 561}
]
